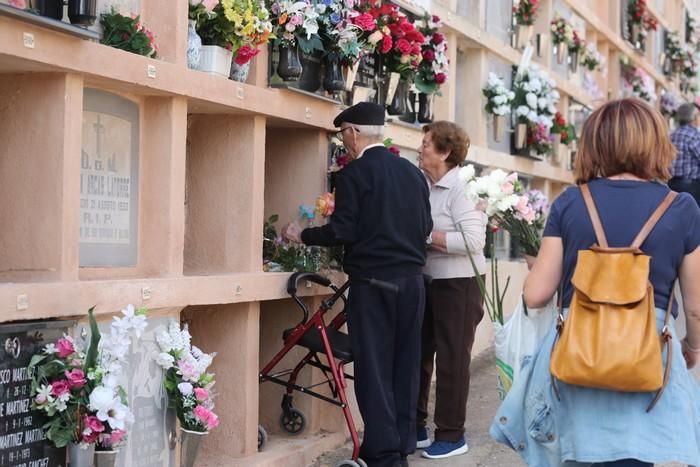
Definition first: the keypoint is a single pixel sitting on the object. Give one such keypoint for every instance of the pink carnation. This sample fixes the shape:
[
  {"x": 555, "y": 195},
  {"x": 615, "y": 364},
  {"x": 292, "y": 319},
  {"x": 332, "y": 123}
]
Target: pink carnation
[
  {"x": 76, "y": 378},
  {"x": 93, "y": 424},
  {"x": 116, "y": 436},
  {"x": 65, "y": 347},
  {"x": 206, "y": 417},
  {"x": 201, "y": 394},
  {"x": 18, "y": 4},
  {"x": 365, "y": 21}
]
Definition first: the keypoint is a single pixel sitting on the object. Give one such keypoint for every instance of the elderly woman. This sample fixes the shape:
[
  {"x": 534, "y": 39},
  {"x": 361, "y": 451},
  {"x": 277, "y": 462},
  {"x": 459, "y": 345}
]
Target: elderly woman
[{"x": 454, "y": 305}]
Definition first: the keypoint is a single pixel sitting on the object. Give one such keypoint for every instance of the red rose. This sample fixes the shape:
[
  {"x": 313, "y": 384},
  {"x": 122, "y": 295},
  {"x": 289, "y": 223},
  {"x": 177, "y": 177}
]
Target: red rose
[
  {"x": 428, "y": 55},
  {"x": 436, "y": 19},
  {"x": 366, "y": 22},
  {"x": 394, "y": 150},
  {"x": 564, "y": 136},
  {"x": 416, "y": 36},
  {"x": 440, "y": 78},
  {"x": 407, "y": 27},
  {"x": 386, "y": 9},
  {"x": 415, "y": 49},
  {"x": 395, "y": 30},
  {"x": 438, "y": 38},
  {"x": 387, "y": 43},
  {"x": 403, "y": 46}
]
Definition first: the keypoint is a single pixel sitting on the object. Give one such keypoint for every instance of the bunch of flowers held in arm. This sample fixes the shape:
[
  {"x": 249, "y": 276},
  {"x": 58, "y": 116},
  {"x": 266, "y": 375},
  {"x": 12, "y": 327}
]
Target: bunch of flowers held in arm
[
  {"x": 325, "y": 204},
  {"x": 128, "y": 33},
  {"x": 79, "y": 390},
  {"x": 498, "y": 96},
  {"x": 187, "y": 382},
  {"x": 238, "y": 25},
  {"x": 525, "y": 12},
  {"x": 432, "y": 71},
  {"x": 670, "y": 101}
]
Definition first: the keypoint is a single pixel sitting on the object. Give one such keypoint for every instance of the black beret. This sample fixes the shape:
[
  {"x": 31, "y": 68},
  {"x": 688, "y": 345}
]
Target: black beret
[{"x": 364, "y": 113}]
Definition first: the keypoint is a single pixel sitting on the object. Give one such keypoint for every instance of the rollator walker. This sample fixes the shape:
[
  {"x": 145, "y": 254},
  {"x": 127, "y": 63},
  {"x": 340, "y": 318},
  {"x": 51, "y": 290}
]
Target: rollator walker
[{"x": 320, "y": 339}]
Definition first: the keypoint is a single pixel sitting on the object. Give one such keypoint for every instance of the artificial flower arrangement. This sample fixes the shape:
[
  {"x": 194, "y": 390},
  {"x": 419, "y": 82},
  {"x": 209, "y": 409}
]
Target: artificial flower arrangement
[
  {"x": 296, "y": 23},
  {"x": 401, "y": 44},
  {"x": 525, "y": 12},
  {"x": 343, "y": 30},
  {"x": 433, "y": 69},
  {"x": 562, "y": 31},
  {"x": 640, "y": 21},
  {"x": 79, "y": 389},
  {"x": 674, "y": 52},
  {"x": 128, "y": 33},
  {"x": 535, "y": 105},
  {"x": 591, "y": 58},
  {"x": 498, "y": 97},
  {"x": 563, "y": 130},
  {"x": 690, "y": 66},
  {"x": 187, "y": 382},
  {"x": 241, "y": 26},
  {"x": 577, "y": 43},
  {"x": 636, "y": 81},
  {"x": 669, "y": 103}
]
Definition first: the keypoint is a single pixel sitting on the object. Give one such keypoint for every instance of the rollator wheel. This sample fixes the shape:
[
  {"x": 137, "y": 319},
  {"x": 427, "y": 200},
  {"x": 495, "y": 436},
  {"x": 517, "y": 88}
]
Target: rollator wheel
[
  {"x": 262, "y": 437},
  {"x": 293, "y": 421},
  {"x": 351, "y": 463}
]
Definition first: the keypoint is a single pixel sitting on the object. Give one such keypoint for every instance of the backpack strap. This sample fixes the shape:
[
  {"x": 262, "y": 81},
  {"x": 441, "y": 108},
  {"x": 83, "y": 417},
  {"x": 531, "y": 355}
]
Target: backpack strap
[
  {"x": 593, "y": 213},
  {"x": 653, "y": 219}
]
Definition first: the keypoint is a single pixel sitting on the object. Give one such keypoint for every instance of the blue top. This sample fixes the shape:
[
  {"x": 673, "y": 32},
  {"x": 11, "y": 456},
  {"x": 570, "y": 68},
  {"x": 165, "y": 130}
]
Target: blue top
[{"x": 624, "y": 206}]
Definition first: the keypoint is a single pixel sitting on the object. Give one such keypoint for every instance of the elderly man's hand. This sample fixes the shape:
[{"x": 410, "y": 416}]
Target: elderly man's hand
[{"x": 292, "y": 232}]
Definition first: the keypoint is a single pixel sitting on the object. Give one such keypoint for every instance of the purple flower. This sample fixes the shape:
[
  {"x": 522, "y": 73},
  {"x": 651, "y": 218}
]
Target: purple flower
[
  {"x": 327, "y": 2},
  {"x": 335, "y": 18}
]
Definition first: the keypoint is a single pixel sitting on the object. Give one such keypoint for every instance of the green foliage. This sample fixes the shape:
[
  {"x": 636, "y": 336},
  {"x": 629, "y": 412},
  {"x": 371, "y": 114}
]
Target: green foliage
[{"x": 125, "y": 33}]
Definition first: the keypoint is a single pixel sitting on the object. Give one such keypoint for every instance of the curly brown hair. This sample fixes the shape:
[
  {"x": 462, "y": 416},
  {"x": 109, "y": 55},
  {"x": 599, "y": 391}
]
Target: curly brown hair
[{"x": 449, "y": 137}]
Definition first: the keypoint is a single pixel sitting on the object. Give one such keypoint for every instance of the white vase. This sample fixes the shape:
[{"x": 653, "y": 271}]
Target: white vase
[
  {"x": 562, "y": 52},
  {"x": 239, "y": 72},
  {"x": 520, "y": 135},
  {"x": 194, "y": 46},
  {"x": 523, "y": 35},
  {"x": 499, "y": 122},
  {"x": 80, "y": 455},
  {"x": 215, "y": 60}
]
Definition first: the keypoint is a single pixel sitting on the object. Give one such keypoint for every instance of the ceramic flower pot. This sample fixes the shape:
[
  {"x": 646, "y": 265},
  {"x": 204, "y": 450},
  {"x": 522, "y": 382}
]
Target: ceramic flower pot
[
  {"x": 82, "y": 12},
  {"x": 409, "y": 116},
  {"x": 386, "y": 91},
  {"x": 194, "y": 46},
  {"x": 239, "y": 72},
  {"x": 520, "y": 135},
  {"x": 499, "y": 122},
  {"x": 523, "y": 35},
  {"x": 398, "y": 105},
  {"x": 350, "y": 74},
  {"x": 573, "y": 64},
  {"x": 215, "y": 60},
  {"x": 289, "y": 65},
  {"x": 106, "y": 458},
  {"x": 189, "y": 446},
  {"x": 333, "y": 80},
  {"x": 562, "y": 52},
  {"x": 426, "y": 107},
  {"x": 541, "y": 42},
  {"x": 310, "y": 79},
  {"x": 81, "y": 455}
]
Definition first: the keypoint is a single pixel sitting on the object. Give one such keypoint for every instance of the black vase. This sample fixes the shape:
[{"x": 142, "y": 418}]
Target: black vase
[
  {"x": 82, "y": 12},
  {"x": 398, "y": 105},
  {"x": 425, "y": 107},
  {"x": 409, "y": 116},
  {"x": 49, "y": 8},
  {"x": 333, "y": 80},
  {"x": 310, "y": 79},
  {"x": 289, "y": 66}
]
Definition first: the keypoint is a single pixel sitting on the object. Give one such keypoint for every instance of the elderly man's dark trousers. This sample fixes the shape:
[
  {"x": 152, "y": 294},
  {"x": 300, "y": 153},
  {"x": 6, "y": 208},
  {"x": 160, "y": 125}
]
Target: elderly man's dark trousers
[
  {"x": 687, "y": 185},
  {"x": 385, "y": 330}
]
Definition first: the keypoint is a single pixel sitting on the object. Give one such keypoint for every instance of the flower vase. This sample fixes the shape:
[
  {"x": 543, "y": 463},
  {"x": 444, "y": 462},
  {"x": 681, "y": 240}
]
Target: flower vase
[
  {"x": 426, "y": 107},
  {"x": 386, "y": 91},
  {"x": 523, "y": 35},
  {"x": 49, "y": 8},
  {"x": 573, "y": 64},
  {"x": 333, "y": 80},
  {"x": 398, "y": 103},
  {"x": 634, "y": 32},
  {"x": 81, "y": 455},
  {"x": 239, "y": 72},
  {"x": 409, "y": 116},
  {"x": 310, "y": 79},
  {"x": 541, "y": 42},
  {"x": 215, "y": 60},
  {"x": 666, "y": 64},
  {"x": 350, "y": 75},
  {"x": 562, "y": 52},
  {"x": 520, "y": 135},
  {"x": 556, "y": 150},
  {"x": 499, "y": 122},
  {"x": 106, "y": 458},
  {"x": 189, "y": 446},
  {"x": 194, "y": 45},
  {"x": 82, "y": 12},
  {"x": 289, "y": 66}
]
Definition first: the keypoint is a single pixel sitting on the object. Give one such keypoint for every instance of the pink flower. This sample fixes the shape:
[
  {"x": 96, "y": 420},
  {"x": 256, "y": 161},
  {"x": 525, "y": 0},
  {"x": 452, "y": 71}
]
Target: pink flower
[
  {"x": 188, "y": 370},
  {"x": 365, "y": 21},
  {"x": 93, "y": 424},
  {"x": 90, "y": 436},
  {"x": 116, "y": 436},
  {"x": 429, "y": 55},
  {"x": 403, "y": 46},
  {"x": 76, "y": 378},
  {"x": 438, "y": 38},
  {"x": 201, "y": 394},
  {"x": 65, "y": 347},
  {"x": 440, "y": 78},
  {"x": 60, "y": 388},
  {"x": 387, "y": 43},
  {"x": 210, "y": 4},
  {"x": 296, "y": 20},
  {"x": 206, "y": 417},
  {"x": 18, "y": 4},
  {"x": 395, "y": 150},
  {"x": 245, "y": 54}
]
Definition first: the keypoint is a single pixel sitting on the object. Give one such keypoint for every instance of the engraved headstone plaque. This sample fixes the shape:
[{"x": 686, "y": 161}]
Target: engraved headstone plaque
[
  {"x": 109, "y": 181},
  {"x": 22, "y": 441}
]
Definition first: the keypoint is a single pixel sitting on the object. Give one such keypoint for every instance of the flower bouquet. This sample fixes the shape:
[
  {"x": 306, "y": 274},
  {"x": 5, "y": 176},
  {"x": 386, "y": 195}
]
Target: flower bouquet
[
  {"x": 535, "y": 105},
  {"x": 591, "y": 58},
  {"x": 525, "y": 13},
  {"x": 498, "y": 103},
  {"x": 127, "y": 33},
  {"x": 79, "y": 389},
  {"x": 636, "y": 81},
  {"x": 432, "y": 71},
  {"x": 669, "y": 101},
  {"x": 189, "y": 387},
  {"x": 562, "y": 36}
]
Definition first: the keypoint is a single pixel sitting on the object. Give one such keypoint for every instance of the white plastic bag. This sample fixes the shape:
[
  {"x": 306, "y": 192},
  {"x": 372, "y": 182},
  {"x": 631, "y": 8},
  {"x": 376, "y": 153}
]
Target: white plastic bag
[{"x": 520, "y": 336}]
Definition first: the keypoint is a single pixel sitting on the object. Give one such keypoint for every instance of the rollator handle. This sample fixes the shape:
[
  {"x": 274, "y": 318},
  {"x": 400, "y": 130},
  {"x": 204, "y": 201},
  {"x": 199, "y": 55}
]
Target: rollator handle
[
  {"x": 305, "y": 276},
  {"x": 388, "y": 286}
]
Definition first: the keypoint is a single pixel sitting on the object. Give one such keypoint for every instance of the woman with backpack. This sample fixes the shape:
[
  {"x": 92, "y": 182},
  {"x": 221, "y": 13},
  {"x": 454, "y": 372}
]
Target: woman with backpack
[{"x": 606, "y": 389}]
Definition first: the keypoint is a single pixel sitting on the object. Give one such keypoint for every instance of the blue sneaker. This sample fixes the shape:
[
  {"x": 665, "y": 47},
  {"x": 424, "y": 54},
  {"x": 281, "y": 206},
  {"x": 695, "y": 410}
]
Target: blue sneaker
[
  {"x": 422, "y": 438},
  {"x": 444, "y": 449}
]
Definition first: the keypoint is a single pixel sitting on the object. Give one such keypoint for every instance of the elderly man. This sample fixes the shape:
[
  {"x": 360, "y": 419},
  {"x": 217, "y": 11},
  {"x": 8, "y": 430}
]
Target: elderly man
[
  {"x": 382, "y": 217},
  {"x": 686, "y": 138}
]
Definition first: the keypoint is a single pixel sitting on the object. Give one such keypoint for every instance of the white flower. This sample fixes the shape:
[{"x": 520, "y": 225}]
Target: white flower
[
  {"x": 50, "y": 349},
  {"x": 165, "y": 360},
  {"x": 531, "y": 100},
  {"x": 522, "y": 111},
  {"x": 185, "y": 388},
  {"x": 60, "y": 405},
  {"x": 500, "y": 99},
  {"x": 466, "y": 173},
  {"x": 532, "y": 116},
  {"x": 43, "y": 394},
  {"x": 108, "y": 407},
  {"x": 542, "y": 103}
]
